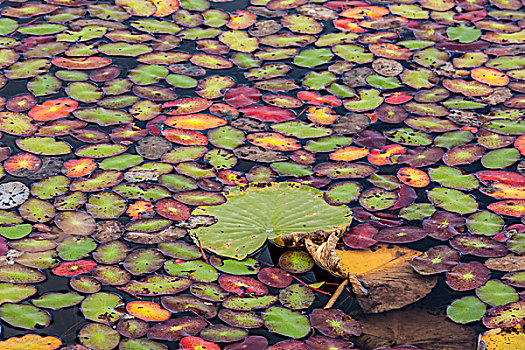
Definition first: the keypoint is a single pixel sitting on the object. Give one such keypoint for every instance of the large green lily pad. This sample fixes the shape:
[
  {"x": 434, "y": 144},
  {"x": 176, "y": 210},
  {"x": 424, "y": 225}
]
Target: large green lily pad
[{"x": 282, "y": 212}]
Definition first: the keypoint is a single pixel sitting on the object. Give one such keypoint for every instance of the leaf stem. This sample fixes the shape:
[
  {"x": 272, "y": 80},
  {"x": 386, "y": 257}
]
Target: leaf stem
[{"x": 336, "y": 295}]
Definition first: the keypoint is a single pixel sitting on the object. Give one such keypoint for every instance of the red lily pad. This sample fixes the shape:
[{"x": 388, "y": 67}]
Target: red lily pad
[
  {"x": 401, "y": 234},
  {"x": 175, "y": 329},
  {"x": 242, "y": 285},
  {"x": 478, "y": 245},
  {"x": 436, "y": 260},
  {"x": 275, "y": 277},
  {"x": 467, "y": 276}
]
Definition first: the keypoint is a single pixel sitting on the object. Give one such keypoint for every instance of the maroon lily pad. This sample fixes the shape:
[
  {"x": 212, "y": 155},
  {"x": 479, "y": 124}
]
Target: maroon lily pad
[
  {"x": 252, "y": 342},
  {"x": 177, "y": 328},
  {"x": 443, "y": 225},
  {"x": 402, "y": 234},
  {"x": 436, "y": 260},
  {"x": 242, "y": 285},
  {"x": 288, "y": 345},
  {"x": 275, "y": 277},
  {"x": 172, "y": 210},
  {"x": 467, "y": 276},
  {"x": 325, "y": 343},
  {"x": 360, "y": 236},
  {"x": 478, "y": 245},
  {"x": 242, "y": 96},
  {"x": 132, "y": 327},
  {"x": 181, "y": 303},
  {"x": 334, "y": 323}
]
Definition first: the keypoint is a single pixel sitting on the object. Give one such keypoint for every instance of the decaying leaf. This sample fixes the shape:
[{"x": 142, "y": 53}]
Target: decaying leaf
[{"x": 381, "y": 276}]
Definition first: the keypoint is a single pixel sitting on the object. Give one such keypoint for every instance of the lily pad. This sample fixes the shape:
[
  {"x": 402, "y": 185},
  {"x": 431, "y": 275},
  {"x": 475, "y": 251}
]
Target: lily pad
[
  {"x": 251, "y": 197},
  {"x": 286, "y": 322}
]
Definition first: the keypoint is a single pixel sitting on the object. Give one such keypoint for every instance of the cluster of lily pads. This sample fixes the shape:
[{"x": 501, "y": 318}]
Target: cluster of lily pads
[{"x": 151, "y": 148}]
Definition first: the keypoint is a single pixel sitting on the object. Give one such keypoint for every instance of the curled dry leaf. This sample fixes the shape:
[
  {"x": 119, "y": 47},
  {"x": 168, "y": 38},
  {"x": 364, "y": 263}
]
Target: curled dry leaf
[{"x": 382, "y": 277}]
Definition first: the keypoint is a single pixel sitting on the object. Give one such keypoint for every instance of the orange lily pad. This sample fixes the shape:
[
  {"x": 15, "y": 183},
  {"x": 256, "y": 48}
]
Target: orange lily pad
[
  {"x": 165, "y": 7},
  {"x": 241, "y": 19},
  {"x": 53, "y": 109},
  {"x": 362, "y": 12},
  {"x": 314, "y": 98},
  {"x": 140, "y": 209},
  {"x": 490, "y": 76},
  {"x": 92, "y": 62},
  {"x": 390, "y": 51},
  {"x": 382, "y": 156},
  {"x": 348, "y": 25},
  {"x": 274, "y": 141},
  {"x": 195, "y": 122},
  {"x": 520, "y": 144},
  {"x": 321, "y": 115},
  {"x": 413, "y": 177},
  {"x": 22, "y": 164},
  {"x": 31, "y": 342},
  {"x": 349, "y": 154},
  {"x": 79, "y": 167},
  {"x": 197, "y": 343},
  {"x": 147, "y": 311},
  {"x": 510, "y": 207},
  {"x": 185, "y": 137}
]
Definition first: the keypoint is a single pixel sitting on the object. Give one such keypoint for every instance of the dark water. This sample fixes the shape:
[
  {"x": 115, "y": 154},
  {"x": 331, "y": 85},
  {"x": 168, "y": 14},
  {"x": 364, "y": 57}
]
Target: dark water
[{"x": 67, "y": 322}]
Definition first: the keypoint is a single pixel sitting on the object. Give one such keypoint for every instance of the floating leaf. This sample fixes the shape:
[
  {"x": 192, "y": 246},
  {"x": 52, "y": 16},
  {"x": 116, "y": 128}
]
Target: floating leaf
[
  {"x": 388, "y": 265},
  {"x": 465, "y": 310},
  {"x": 286, "y": 322},
  {"x": 250, "y": 197}
]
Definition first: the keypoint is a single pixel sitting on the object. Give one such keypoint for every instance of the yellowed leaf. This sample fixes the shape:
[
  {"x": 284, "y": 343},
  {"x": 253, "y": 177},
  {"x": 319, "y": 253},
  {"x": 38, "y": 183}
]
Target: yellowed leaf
[
  {"x": 502, "y": 339},
  {"x": 381, "y": 276}
]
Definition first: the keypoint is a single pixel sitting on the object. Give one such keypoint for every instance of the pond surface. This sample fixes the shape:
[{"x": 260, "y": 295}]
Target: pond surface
[{"x": 210, "y": 175}]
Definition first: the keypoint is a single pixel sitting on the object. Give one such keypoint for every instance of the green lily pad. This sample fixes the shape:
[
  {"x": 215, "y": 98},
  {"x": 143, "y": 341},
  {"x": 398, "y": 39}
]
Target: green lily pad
[
  {"x": 249, "y": 303},
  {"x": 102, "y": 307},
  {"x": 20, "y": 274},
  {"x": 453, "y": 178},
  {"x": 452, "y": 200},
  {"x": 198, "y": 271},
  {"x": 417, "y": 211},
  {"x": 43, "y": 85},
  {"x": 227, "y": 239},
  {"x": 57, "y": 301},
  {"x": 14, "y": 293},
  {"x": 247, "y": 266},
  {"x": 99, "y": 336},
  {"x": 24, "y": 316},
  {"x": 496, "y": 293},
  {"x": 313, "y": 57},
  {"x": 157, "y": 285},
  {"x": 296, "y": 297},
  {"x": 75, "y": 248},
  {"x": 465, "y": 310},
  {"x": 46, "y": 146},
  {"x": 485, "y": 223},
  {"x": 286, "y": 322},
  {"x": 500, "y": 158}
]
